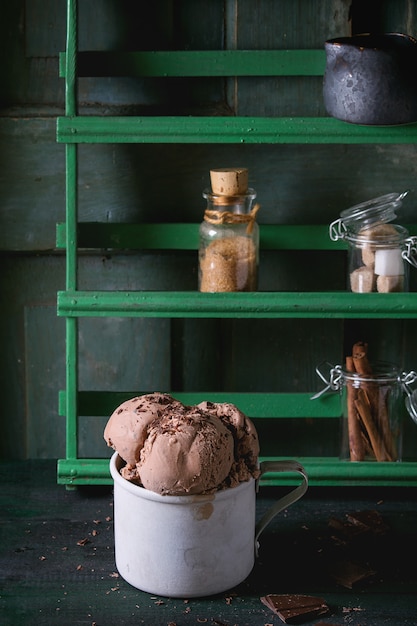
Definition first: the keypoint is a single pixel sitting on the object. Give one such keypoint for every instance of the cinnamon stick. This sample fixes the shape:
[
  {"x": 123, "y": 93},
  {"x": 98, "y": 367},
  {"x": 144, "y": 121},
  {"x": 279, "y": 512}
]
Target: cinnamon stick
[
  {"x": 356, "y": 443},
  {"x": 384, "y": 424},
  {"x": 371, "y": 406},
  {"x": 364, "y": 368},
  {"x": 360, "y": 358},
  {"x": 364, "y": 409}
]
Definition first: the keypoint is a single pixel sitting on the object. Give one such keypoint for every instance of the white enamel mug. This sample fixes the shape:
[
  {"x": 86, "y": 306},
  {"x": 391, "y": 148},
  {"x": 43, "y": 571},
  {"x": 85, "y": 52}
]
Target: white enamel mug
[{"x": 191, "y": 546}]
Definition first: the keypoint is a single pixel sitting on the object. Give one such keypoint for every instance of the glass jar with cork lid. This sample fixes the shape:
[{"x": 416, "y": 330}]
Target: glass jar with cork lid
[
  {"x": 379, "y": 253},
  {"x": 229, "y": 234}
]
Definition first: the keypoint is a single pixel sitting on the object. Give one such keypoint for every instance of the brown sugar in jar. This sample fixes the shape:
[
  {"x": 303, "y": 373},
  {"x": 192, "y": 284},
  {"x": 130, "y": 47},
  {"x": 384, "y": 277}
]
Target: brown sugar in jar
[{"x": 229, "y": 234}]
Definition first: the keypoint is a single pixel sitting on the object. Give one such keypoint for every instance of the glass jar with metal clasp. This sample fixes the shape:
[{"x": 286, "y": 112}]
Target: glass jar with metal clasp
[
  {"x": 379, "y": 252},
  {"x": 372, "y": 409}
]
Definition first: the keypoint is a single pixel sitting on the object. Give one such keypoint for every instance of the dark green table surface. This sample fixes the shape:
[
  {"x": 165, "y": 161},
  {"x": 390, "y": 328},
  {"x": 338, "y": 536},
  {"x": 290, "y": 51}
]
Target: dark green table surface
[{"x": 57, "y": 560}]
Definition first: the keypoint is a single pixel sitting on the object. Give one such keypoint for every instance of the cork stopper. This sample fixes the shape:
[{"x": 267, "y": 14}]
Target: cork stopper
[{"x": 231, "y": 181}]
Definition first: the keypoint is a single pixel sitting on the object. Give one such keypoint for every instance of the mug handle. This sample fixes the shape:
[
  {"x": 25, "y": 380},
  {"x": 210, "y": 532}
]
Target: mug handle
[{"x": 285, "y": 501}]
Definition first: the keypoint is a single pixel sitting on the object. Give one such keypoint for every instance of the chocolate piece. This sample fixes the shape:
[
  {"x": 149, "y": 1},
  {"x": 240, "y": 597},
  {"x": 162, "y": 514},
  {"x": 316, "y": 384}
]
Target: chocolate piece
[
  {"x": 295, "y": 608},
  {"x": 347, "y": 573}
]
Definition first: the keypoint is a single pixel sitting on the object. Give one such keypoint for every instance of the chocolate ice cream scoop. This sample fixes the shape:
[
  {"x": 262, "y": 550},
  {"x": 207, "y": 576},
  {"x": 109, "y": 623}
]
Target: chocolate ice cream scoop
[
  {"x": 244, "y": 434},
  {"x": 186, "y": 453},
  {"x": 126, "y": 429},
  {"x": 175, "y": 449}
]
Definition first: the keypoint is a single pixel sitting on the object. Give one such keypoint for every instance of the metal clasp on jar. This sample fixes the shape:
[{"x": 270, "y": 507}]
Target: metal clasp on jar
[
  {"x": 337, "y": 230},
  {"x": 409, "y": 254},
  {"x": 335, "y": 379},
  {"x": 407, "y": 379}
]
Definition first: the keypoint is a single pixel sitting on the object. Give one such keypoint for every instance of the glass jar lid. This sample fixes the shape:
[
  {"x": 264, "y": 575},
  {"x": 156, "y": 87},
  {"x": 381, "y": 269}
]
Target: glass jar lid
[
  {"x": 383, "y": 373},
  {"x": 380, "y": 210}
]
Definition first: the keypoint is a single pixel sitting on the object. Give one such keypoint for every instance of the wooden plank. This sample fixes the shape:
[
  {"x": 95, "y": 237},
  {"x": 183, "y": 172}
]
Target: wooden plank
[
  {"x": 31, "y": 188},
  {"x": 44, "y": 29},
  {"x": 282, "y": 24},
  {"x": 285, "y": 24},
  {"x": 45, "y": 430}
]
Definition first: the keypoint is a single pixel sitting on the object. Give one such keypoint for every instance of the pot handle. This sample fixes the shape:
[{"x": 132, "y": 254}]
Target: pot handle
[{"x": 285, "y": 501}]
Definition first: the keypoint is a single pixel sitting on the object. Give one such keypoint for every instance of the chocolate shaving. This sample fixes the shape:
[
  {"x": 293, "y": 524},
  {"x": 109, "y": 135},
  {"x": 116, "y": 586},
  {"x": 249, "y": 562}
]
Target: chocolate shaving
[
  {"x": 295, "y": 608},
  {"x": 345, "y": 528},
  {"x": 360, "y": 522},
  {"x": 371, "y": 521}
]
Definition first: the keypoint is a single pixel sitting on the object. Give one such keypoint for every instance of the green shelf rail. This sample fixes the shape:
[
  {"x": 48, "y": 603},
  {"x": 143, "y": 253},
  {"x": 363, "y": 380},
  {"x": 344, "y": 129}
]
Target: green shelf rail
[
  {"x": 196, "y": 63},
  {"x": 266, "y": 405},
  {"x": 261, "y": 304},
  {"x": 322, "y": 472},
  {"x": 184, "y": 236},
  {"x": 204, "y": 130}
]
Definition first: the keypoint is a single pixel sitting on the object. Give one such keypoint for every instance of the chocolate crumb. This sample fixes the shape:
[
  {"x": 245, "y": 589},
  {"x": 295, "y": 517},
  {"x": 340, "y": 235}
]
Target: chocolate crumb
[{"x": 82, "y": 542}]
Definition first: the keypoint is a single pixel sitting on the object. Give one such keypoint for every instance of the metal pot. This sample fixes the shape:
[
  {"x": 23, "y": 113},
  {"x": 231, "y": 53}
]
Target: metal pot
[{"x": 370, "y": 79}]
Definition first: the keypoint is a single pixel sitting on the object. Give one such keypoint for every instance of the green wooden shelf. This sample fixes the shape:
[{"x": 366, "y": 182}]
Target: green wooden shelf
[
  {"x": 197, "y": 63},
  {"x": 224, "y": 130},
  {"x": 73, "y": 303},
  {"x": 191, "y": 304},
  {"x": 266, "y": 405},
  {"x": 184, "y": 236},
  {"x": 329, "y": 471},
  {"x": 322, "y": 472}
]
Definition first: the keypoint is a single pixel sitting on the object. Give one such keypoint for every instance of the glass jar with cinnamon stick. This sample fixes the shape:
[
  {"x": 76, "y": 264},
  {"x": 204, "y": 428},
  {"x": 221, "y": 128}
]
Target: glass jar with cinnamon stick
[
  {"x": 372, "y": 413},
  {"x": 379, "y": 252},
  {"x": 373, "y": 406},
  {"x": 229, "y": 234}
]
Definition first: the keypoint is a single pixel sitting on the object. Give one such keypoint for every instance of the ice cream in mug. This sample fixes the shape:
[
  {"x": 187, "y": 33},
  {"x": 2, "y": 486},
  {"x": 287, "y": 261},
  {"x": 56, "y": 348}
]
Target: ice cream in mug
[
  {"x": 174, "y": 449},
  {"x": 185, "y": 481}
]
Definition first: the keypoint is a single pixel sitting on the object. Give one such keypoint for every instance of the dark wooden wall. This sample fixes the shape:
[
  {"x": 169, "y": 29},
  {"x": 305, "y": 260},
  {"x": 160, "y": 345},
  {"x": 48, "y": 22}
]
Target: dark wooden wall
[{"x": 295, "y": 184}]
